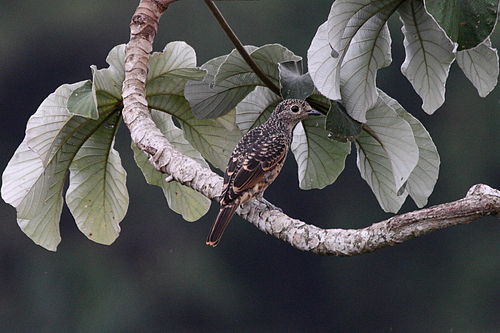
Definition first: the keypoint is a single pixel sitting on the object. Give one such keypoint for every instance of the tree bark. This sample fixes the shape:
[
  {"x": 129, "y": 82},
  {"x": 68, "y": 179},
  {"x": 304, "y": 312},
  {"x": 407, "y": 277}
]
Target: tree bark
[{"x": 481, "y": 200}]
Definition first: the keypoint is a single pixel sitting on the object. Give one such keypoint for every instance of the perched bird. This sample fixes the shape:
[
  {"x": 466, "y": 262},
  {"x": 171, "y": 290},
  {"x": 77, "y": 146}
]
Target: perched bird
[{"x": 257, "y": 160}]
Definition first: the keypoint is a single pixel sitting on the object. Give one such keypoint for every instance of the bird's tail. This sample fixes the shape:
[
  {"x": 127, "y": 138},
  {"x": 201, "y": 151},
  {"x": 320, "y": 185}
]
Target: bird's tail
[{"x": 220, "y": 224}]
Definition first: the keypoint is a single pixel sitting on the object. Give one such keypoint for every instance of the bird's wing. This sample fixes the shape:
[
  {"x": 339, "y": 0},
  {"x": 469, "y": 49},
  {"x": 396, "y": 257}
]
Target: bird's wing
[
  {"x": 259, "y": 157},
  {"x": 235, "y": 163}
]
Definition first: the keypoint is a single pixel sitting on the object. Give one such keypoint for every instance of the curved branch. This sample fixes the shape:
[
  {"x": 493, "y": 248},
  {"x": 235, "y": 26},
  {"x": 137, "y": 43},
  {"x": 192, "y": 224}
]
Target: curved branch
[
  {"x": 481, "y": 200},
  {"x": 136, "y": 116}
]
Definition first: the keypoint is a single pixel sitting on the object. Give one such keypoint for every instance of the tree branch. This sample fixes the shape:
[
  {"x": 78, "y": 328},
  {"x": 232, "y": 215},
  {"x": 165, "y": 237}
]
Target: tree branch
[
  {"x": 481, "y": 200},
  {"x": 136, "y": 116}
]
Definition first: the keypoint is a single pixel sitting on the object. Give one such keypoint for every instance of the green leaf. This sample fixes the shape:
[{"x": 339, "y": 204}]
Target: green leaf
[
  {"x": 34, "y": 178},
  {"x": 19, "y": 185},
  {"x": 340, "y": 125},
  {"x": 429, "y": 54},
  {"x": 424, "y": 176},
  {"x": 480, "y": 66},
  {"x": 177, "y": 60},
  {"x": 467, "y": 22},
  {"x": 97, "y": 195},
  {"x": 370, "y": 50},
  {"x": 375, "y": 168},
  {"x": 171, "y": 69},
  {"x": 174, "y": 56},
  {"x": 322, "y": 65},
  {"x": 234, "y": 64},
  {"x": 387, "y": 154},
  {"x": 229, "y": 79},
  {"x": 181, "y": 199},
  {"x": 333, "y": 39},
  {"x": 208, "y": 101},
  {"x": 320, "y": 160},
  {"x": 254, "y": 109},
  {"x": 267, "y": 57},
  {"x": 294, "y": 84},
  {"x": 81, "y": 102},
  {"x": 395, "y": 136}
]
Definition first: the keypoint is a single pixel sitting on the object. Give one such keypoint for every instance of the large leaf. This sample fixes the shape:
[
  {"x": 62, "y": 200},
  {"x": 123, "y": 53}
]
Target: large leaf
[
  {"x": 395, "y": 136},
  {"x": 320, "y": 159},
  {"x": 229, "y": 79},
  {"x": 233, "y": 65},
  {"x": 207, "y": 100},
  {"x": 171, "y": 69},
  {"x": 422, "y": 179},
  {"x": 177, "y": 60},
  {"x": 375, "y": 168},
  {"x": 267, "y": 57},
  {"x": 369, "y": 51},
  {"x": 480, "y": 66},
  {"x": 53, "y": 137},
  {"x": 181, "y": 199},
  {"x": 333, "y": 39},
  {"x": 429, "y": 54},
  {"x": 97, "y": 195},
  {"x": 21, "y": 188},
  {"x": 254, "y": 109},
  {"x": 467, "y": 22},
  {"x": 387, "y": 154},
  {"x": 48, "y": 128},
  {"x": 322, "y": 65}
]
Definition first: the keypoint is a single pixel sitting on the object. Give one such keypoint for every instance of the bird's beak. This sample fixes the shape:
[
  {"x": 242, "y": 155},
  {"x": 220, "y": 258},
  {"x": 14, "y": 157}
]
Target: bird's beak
[{"x": 313, "y": 112}]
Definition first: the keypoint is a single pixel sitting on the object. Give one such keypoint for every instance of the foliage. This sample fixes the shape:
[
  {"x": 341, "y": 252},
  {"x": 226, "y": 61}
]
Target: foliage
[{"x": 204, "y": 110}]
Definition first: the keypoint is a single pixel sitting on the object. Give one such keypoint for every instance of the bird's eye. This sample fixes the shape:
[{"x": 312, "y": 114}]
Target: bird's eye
[{"x": 295, "y": 108}]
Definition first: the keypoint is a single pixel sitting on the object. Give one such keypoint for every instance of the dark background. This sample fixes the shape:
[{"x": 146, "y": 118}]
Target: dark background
[{"x": 160, "y": 276}]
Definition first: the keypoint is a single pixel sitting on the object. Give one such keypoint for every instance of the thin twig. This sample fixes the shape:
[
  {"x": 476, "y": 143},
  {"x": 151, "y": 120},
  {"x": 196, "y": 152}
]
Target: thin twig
[{"x": 239, "y": 46}]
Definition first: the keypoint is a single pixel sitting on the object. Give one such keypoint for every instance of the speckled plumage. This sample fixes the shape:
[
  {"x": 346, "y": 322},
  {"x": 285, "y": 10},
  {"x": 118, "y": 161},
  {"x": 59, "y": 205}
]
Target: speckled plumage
[{"x": 257, "y": 160}]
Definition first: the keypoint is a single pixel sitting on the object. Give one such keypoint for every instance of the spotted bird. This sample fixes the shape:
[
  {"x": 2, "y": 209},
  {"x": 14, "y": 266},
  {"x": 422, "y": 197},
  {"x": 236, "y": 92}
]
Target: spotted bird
[{"x": 257, "y": 160}]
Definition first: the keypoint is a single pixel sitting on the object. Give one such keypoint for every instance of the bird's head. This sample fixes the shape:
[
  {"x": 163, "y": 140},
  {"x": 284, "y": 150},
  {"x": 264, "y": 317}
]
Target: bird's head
[{"x": 291, "y": 111}]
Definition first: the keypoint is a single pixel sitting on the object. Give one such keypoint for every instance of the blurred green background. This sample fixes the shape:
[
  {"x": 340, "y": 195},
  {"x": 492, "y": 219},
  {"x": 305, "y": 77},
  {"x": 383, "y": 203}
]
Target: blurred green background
[{"x": 160, "y": 276}]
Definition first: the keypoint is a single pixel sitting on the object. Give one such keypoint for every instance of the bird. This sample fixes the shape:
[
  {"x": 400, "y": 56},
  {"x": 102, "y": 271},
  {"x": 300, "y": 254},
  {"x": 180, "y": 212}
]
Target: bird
[{"x": 257, "y": 160}]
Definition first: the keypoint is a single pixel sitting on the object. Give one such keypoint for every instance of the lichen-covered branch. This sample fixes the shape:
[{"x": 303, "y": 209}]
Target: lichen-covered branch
[
  {"x": 136, "y": 116},
  {"x": 481, "y": 200}
]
